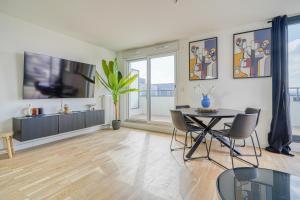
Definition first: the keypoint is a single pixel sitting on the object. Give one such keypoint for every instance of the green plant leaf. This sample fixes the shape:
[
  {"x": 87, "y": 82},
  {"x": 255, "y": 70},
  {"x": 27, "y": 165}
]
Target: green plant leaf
[
  {"x": 124, "y": 79},
  {"x": 128, "y": 81},
  {"x": 120, "y": 76},
  {"x": 113, "y": 81},
  {"x": 101, "y": 81},
  {"x": 105, "y": 68},
  {"x": 111, "y": 65}
]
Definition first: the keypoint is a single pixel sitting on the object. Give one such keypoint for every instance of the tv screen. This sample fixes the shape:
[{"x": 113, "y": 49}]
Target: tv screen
[{"x": 49, "y": 77}]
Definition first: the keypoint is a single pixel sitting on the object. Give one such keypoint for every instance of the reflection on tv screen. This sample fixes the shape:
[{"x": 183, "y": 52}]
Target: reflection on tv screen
[{"x": 50, "y": 77}]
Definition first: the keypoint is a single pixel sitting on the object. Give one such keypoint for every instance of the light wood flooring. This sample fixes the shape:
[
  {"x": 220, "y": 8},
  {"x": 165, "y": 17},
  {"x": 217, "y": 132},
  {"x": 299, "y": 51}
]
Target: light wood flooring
[{"x": 124, "y": 164}]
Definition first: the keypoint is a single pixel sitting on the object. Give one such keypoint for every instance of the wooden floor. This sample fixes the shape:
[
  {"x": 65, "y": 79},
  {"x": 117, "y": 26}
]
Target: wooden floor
[{"x": 124, "y": 164}]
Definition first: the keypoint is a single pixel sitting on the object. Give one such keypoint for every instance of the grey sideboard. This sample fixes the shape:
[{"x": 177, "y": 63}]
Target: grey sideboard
[{"x": 29, "y": 128}]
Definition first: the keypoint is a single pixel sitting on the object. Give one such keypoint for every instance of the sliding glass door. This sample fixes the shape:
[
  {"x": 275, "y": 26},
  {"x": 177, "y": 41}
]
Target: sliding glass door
[
  {"x": 162, "y": 87},
  {"x": 138, "y": 101},
  {"x": 294, "y": 77},
  {"x": 156, "y": 81}
]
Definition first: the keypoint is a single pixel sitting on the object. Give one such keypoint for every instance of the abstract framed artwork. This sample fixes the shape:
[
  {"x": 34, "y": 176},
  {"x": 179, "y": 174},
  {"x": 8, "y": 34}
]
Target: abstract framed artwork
[
  {"x": 252, "y": 54},
  {"x": 203, "y": 59}
]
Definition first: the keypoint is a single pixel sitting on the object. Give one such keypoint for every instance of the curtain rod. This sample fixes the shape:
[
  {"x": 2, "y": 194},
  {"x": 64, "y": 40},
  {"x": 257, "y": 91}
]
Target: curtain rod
[{"x": 290, "y": 18}]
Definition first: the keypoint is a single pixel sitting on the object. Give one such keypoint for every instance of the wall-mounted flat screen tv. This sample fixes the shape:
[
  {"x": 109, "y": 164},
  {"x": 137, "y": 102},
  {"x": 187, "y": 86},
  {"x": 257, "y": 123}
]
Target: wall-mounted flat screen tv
[{"x": 49, "y": 77}]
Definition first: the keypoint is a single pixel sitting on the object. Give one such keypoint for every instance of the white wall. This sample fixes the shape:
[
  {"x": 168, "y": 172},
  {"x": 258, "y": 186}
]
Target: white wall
[
  {"x": 17, "y": 36},
  {"x": 229, "y": 92}
]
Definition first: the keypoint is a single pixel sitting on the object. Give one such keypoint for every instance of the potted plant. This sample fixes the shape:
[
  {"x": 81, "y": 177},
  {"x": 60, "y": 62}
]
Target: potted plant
[{"x": 116, "y": 84}]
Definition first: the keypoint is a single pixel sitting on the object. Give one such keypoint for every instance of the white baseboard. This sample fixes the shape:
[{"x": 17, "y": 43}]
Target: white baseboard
[
  {"x": 40, "y": 141},
  {"x": 168, "y": 129},
  {"x": 162, "y": 128}
]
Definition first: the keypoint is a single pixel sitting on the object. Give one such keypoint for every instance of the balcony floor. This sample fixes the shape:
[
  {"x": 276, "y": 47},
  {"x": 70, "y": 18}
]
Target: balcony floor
[{"x": 296, "y": 131}]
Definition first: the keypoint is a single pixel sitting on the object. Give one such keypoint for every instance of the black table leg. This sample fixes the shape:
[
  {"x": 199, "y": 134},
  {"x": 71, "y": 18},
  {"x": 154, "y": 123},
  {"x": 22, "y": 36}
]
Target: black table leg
[
  {"x": 195, "y": 146},
  {"x": 199, "y": 139}
]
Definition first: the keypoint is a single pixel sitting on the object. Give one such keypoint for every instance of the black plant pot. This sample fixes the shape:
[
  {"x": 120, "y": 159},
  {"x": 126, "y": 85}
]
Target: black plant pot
[{"x": 116, "y": 124}]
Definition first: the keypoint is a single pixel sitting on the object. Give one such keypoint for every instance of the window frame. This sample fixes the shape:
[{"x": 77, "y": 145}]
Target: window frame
[
  {"x": 148, "y": 58},
  {"x": 291, "y": 21}
]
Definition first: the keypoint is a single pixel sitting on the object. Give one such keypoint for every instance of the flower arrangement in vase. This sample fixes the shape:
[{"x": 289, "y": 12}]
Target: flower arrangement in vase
[{"x": 205, "y": 101}]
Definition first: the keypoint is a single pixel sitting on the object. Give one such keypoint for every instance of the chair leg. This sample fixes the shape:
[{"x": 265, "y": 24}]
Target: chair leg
[
  {"x": 244, "y": 143},
  {"x": 231, "y": 152},
  {"x": 208, "y": 153},
  {"x": 211, "y": 139},
  {"x": 222, "y": 145},
  {"x": 255, "y": 154},
  {"x": 184, "y": 147},
  {"x": 258, "y": 143},
  {"x": 172, "y": 139},
  {"x": 176, "y": 137},
  {"x": 257, "y": 163}
]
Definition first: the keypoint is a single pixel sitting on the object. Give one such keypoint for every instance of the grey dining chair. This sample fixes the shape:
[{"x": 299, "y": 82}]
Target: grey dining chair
[
  {"x": 241, "y": 128},
  {"x": 186, "y": 119},
  {"x": 180, "y": 124},
  {"x": 249, "y": 111}
]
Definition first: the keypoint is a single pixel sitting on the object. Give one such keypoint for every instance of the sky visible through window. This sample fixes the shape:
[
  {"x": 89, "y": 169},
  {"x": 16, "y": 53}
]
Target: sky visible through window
[
  {"x": 162, "y": 69},
  {"x": 294, "y": 55}
]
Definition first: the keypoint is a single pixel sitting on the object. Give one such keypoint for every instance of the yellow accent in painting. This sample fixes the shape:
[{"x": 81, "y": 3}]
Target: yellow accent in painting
[
  {"x": 192, "y": 64},
  {"x": 240, "y": 74},
  {"x": 237, "y": 59}
]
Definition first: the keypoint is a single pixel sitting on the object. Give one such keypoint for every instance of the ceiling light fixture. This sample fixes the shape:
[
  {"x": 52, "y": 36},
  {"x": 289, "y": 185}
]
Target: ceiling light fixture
[{"x": 176, "y": 1}]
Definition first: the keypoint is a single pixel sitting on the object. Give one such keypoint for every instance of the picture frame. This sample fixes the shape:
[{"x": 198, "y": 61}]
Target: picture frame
[
  {"x": 203, "y": 59},
  {"x": 252, "y": 54}
]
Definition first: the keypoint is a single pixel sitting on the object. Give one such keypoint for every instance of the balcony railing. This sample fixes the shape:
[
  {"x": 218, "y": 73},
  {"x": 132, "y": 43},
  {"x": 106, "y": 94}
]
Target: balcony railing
[
  {"x": 294, "y": 92},
  {"x": 158, "y": 93}
]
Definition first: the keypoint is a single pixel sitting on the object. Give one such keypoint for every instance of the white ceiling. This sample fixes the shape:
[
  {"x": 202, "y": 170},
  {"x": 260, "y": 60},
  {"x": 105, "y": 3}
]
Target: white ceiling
[{"x": 124, "y": 24}]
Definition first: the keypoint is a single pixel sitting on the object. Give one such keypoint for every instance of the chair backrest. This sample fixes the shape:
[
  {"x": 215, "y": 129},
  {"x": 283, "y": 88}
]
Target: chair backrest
[
  {"x": 243, "y": 125},
  {"x": 182, "y": 106},
  {"x": 253, "y": 111},
  {"x": 178, "y": 120}
]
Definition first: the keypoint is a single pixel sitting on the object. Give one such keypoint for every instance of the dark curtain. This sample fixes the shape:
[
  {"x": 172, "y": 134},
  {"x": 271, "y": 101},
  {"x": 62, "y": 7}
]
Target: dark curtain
[{"x": 280, "y": 135}]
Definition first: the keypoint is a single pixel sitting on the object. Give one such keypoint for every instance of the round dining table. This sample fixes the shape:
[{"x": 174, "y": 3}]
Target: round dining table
[{"x": 215, "y": 116}]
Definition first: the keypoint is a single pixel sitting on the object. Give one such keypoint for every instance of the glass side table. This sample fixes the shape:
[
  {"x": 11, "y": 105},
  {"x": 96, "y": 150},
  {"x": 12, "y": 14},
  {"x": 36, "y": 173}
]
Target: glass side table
[{"x": 257, "y": 184}]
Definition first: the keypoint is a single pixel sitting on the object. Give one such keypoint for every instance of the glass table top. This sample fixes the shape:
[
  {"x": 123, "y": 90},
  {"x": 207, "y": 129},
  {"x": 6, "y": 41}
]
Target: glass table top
[{"x": 257, "y": 184}]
